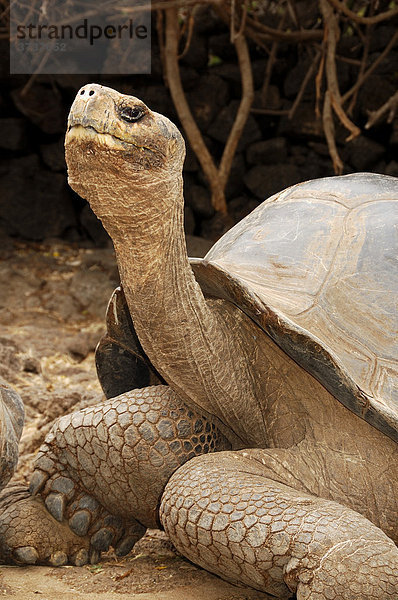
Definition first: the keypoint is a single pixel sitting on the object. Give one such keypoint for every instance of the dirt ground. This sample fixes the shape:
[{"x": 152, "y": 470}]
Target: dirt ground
[{"x": 53, "y": 298}]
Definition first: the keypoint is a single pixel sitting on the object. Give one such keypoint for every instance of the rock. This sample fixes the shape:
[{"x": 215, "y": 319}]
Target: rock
[
  {"x": 14, "y": 359},
  {"x": 220, "y": 45},
  {"x": 43, "y": 106},
  {"x": 304, "y": 123},
  {"x": 189, "y": 77},
  {"x": 206, "y": 20},
  {"x": 267, "y": 152},
  {"x": 189, "y": 220},
  {"x": 199, "y": 199},
  {"x": 53, "y": 155},
  {"x": 240, "y": 207},
  {"x": 214, "y": 228},
  {"x": 381, "y": 36},
  {"x": 228, "y": 71},
  {"x": 210, "y": 95},
  {"x": 294, "y": 79},
  {"x": 273, "y": 99},
  {"x": 362, "y": 152},
  {"x": 374, "y": 92},
  {"x": 93, "y": 227},
  {"x": 34, "y": 203},
  {"x": 258, "y": 71},
  {"x": 264, "y": 181},
  {"x": 219, "y": 130},
  {"x": 392, "y": 168},
  {"x": 104, "y": 260},
  {"x": 394, "y": 133},
  {"x": 191, "y": 164},
  {"x": 235, "y": 183},
  {"x": 197, "y": 55},
  {"x": 92, "y": 291},
  {"x": 197, "y": 246},
  {"x": 13, "y": 134},
  {"x": 81, "y": 344}
]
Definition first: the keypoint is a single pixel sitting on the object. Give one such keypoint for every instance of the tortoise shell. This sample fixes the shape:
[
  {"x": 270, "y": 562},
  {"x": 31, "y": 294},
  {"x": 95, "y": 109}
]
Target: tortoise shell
[{"x": 315, "y": 266}]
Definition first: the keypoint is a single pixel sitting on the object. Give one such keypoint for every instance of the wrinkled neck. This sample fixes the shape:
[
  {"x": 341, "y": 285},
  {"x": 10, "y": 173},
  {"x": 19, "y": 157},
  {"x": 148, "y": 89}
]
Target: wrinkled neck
[{"x": 186, "y": 339}]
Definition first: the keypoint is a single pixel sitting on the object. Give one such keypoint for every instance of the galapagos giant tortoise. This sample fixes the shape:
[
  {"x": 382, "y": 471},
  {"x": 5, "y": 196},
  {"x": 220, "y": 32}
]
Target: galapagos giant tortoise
[{"x": 278, "y": 350}]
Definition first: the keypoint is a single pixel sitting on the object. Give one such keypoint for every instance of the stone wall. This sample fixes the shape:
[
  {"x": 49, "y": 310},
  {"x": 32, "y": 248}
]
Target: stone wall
[{"x": 274, "y": 151}]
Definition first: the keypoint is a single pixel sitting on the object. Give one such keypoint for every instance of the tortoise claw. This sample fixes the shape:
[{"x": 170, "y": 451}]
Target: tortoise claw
[
  {"x": 26, "y": 555},
  {"x": 55, "y": 504},
  {"x": 80, "y": 558},
  {"x": 58, "y": 559}
]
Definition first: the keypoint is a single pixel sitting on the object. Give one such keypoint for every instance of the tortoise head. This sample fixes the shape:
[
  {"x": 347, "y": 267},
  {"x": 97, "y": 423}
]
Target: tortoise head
[{"x": 116, "y": 147}]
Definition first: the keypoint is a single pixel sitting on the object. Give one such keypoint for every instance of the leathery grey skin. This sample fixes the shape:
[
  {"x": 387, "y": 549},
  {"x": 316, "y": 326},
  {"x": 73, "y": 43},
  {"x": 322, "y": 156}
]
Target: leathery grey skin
[
  {"x": 11, "y": 423},
  {"x": 289, "y": 492}
]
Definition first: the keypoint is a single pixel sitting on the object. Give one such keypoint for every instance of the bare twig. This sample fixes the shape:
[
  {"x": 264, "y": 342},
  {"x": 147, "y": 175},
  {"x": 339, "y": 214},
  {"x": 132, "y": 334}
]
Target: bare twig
[
  {"x": 372, "y": 67},
  {"x": 180, "y": 102},
  {"x": 234, "y": 34},
  {"x": 243, "y": 110},
  {"x": 270, "y": 111},
  {"x": 304, "y": 35},
  {"x": 342, "y": 7},
  {"x": 318, "y": 85},
  {"x": 270, "y": 64},
  {"x": 258, "y": 31},
  {"x": 304, "y": 84},
  {"x": 334, "y": 97},
  {"x": 191, "y": 21},
  {"x": 328, "y": 127},
  {"x": 390, "y": 107},
  {"x": 364, "y": 60},
  {"x": 217, "y": 177}
]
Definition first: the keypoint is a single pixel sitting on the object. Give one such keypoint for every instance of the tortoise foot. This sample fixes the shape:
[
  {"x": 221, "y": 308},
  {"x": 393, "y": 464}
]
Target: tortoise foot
[
  {"x": 29, "y": 534},
  {"x": 67, "y": 503},
  {"x": 53, "y": 529}
]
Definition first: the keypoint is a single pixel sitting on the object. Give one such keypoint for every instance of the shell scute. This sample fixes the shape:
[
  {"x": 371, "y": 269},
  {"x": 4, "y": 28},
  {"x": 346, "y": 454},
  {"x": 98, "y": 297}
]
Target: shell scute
[{"x": 321, "y": 260}]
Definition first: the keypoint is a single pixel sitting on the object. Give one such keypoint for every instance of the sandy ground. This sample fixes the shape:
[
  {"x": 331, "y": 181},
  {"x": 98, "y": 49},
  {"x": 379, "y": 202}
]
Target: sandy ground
[{"x": 52, "y": 303}]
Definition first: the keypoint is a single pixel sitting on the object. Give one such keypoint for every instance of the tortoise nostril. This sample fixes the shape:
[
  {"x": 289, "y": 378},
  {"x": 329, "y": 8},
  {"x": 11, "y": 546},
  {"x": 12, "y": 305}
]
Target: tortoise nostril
[
  {"x": 82, "y": 92},
  {"x": 91, "y": 93}
]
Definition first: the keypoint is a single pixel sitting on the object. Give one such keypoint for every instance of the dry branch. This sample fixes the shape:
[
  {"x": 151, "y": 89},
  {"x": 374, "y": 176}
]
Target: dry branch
[
  {"x": 360, "y": 81},
  {"x": 180, "y": 102},
  {"x": 332, "y": 96},
  {"x": 390, "y": 107},
  {"x": 304, "y": 84},
  {"x": 328, "y": 127},
  {"x": 217, "y": 177},
  {"x": 373, "y": 20},
  {"x": 243, "y": 110}
]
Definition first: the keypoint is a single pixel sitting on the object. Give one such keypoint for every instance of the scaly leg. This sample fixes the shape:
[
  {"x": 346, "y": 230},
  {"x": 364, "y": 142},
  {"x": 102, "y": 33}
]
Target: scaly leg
[
  {"x": 100, "y": 474},
  {"x": 222, "y": 513}
]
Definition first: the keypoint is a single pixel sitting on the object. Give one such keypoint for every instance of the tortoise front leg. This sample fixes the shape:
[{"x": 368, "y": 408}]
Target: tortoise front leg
[
  {"x": 100, "y": 473},
  {"x": 225, "y": 515}
]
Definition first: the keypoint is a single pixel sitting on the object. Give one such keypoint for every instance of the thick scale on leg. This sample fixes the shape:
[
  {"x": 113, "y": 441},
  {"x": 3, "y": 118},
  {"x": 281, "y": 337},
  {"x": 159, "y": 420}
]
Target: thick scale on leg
[
  {"x": 222, "y": 513},
  {"x": 102, "y": 470}
]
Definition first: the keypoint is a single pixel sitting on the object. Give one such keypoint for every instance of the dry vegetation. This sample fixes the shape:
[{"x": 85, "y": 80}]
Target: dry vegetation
[{"x": 320, "y": 26}]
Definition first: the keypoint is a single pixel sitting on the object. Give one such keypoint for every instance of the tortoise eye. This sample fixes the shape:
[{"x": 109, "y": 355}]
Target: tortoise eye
[{"x": 131, "y": 114}]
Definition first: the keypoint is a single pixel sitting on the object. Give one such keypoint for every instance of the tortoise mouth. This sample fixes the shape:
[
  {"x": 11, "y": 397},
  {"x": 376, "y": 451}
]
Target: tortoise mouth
[{"x": 85, "y": 133}]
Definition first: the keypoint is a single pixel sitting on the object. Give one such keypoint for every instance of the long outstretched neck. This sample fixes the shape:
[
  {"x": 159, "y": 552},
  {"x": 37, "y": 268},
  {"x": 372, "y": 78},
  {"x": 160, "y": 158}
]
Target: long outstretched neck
[{"x": 188, "y": 341}]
